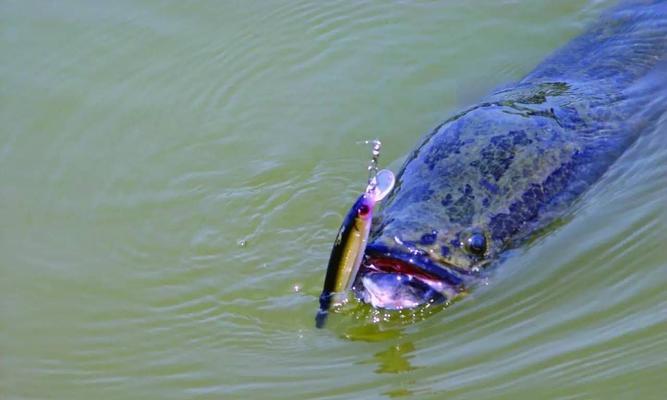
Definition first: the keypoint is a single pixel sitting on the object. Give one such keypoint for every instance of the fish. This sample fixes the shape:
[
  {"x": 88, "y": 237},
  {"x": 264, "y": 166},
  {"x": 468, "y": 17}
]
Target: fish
[{"x": 499, "y": 172}]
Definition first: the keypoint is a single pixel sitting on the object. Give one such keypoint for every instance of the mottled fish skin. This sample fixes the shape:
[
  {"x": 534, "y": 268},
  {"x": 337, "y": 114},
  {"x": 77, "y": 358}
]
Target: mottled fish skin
[{"x": 511, "y": 164}]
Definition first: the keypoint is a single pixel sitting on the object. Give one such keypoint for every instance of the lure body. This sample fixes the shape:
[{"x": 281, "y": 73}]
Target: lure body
[
  {"x": 350, "y": 244},
  {"x": 346, "y": 255}
]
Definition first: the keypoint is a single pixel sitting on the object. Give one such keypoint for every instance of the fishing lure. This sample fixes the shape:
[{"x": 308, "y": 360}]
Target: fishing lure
[{"x": 350, "y": 244}]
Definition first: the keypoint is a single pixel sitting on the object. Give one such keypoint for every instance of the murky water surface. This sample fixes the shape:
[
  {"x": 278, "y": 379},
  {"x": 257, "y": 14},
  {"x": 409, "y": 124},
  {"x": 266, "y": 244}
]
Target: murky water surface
[{"x": 172, "y": 176}]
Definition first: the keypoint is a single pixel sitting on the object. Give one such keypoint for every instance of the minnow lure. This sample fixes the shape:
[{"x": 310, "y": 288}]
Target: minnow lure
[{"x": 350, "y": 244}]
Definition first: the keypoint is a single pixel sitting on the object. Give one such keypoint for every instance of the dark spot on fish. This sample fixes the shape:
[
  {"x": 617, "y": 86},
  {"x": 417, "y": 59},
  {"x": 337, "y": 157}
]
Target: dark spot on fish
[
  {"x": 532, "y": 200},
  {"x": 527, "y": 208},
  {"x": 503, "y": 226},
  {"x": 444, "y": 250},
  {"x": 557, "y": 180},
  {"x": 519, "y": 138},
  {"x": 501, "y": 142},
  {"x": 519, "y": 210},
  {"x": 428, "y": 238},
  {"x": 493, "y": 188},
  {"x": 496, "y": 157},
  {"x": 462, "y": 210}
]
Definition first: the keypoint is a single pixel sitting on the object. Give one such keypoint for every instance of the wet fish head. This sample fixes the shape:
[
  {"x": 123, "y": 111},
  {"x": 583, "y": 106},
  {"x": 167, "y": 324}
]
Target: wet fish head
[{"x": 473, "y": 187}]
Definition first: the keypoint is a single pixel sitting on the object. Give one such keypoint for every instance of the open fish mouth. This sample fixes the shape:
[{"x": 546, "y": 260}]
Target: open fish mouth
[{"x": 395, "y": 279}]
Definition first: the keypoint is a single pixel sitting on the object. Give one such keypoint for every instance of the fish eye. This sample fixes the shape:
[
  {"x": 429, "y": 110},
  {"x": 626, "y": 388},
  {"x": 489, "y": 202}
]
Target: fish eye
[
  {"x": 476, "y": 244},
  {"x": 363, "y": 210}
]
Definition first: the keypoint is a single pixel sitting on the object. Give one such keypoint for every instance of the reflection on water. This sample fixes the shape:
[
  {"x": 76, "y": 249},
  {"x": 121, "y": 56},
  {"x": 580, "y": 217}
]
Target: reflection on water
[
  {"x": 395, "y": 359},
  {"x": 372, "y": 332},
  {"x": 170, "y": 171}
]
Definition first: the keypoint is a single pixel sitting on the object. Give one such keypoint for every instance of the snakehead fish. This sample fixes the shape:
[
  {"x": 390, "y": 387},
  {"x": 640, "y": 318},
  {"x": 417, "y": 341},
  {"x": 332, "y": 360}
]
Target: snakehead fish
[{"x": 492, "y": 175}]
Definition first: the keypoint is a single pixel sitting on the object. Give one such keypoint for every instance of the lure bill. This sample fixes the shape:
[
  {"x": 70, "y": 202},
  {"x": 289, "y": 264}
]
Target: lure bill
[{"x": 350, "y": 244}]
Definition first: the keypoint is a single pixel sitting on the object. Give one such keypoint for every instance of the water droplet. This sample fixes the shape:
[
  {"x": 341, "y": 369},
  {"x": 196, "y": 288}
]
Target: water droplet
[{"x": 242, "y": 243}]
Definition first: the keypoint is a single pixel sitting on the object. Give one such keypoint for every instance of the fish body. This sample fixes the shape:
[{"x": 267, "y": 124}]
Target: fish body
[{"x": 494, "y": 174}]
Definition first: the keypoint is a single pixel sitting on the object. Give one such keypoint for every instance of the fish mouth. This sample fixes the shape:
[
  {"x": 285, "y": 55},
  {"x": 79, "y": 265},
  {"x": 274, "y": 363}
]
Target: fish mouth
[{"x": 416, "y": 279}]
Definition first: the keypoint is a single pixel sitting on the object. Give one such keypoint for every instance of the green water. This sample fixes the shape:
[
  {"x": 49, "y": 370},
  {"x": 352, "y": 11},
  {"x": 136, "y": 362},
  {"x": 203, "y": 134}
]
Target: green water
[{"x": 172, "y": 176}]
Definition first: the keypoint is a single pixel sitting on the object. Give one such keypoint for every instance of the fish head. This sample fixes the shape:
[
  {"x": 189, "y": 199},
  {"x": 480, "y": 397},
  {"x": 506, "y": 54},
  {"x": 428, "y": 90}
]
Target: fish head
[
  {"x": 428, "y": 265},
  {"x": 416, "y": 254}
]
